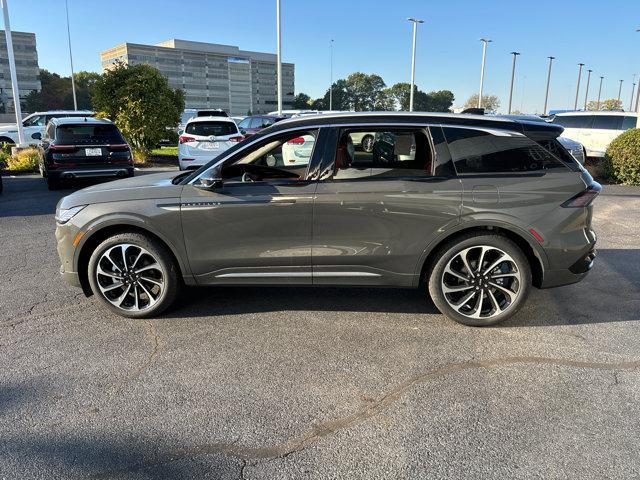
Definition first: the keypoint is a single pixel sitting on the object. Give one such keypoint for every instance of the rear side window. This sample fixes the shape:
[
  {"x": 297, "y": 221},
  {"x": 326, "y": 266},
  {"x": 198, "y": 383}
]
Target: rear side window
[
  {"x": 574, "y": 121},
  {"x": 480, "y": 151},
  {"x": 607, "y": 122},
  {"x": 207, "y": 129},
  {"x": 85, "y": 134},
  {"x": 629, "y": 122}
]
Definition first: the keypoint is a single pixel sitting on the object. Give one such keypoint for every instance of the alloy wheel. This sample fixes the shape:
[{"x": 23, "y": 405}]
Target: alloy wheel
[
  {"x": 367, "y": 144},
  {"x": 130, "y": 277},
  {"x": 481, "y": 282}
]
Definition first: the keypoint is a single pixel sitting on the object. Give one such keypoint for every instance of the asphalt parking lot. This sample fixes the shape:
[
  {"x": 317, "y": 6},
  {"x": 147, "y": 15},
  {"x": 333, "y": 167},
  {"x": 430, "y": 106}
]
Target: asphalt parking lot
[{"x": 315, "y": 383}]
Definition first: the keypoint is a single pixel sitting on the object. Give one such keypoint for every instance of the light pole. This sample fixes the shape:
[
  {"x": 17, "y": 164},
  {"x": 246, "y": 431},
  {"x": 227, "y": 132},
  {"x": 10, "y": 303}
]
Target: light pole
[
  {"x": 513, "y": 76},
  {"x": 633, "y": 88},
  {"x": 620, "y": 90},
  {"x": 279, "y": 55},
  {"x": 415, "y": 22},
  {"x": 12, "y": 71},
  {"x": 546, "y": 95},
  {"x": 485, "y": 42},
  {"x": 599, "y": 93},
  {"x": 575, "y": 105},
  {"x": 638, "y": 99},
  {"x": 331, "y": 84},
  {"x": 73, "y": 82},
  {"x": 586, "y": 93}
]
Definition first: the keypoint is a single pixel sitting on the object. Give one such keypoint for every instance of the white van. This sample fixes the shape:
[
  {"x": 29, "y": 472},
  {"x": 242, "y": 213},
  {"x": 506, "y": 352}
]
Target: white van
[{"x": 595, "y": 130}]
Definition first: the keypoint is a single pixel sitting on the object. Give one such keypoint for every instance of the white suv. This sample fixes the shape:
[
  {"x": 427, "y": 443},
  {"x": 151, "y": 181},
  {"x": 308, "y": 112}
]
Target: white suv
[
  {"x": 204, "y": 138},
  {"x": 35, "y": 124},
  {"x": 595, "y": 130}
]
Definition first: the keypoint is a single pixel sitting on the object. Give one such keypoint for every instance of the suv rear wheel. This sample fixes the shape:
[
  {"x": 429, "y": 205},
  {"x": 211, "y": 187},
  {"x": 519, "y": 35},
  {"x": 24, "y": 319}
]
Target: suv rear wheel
[
  {"x": 134, "y": 275},
  {"x": 480, "y": 279}
]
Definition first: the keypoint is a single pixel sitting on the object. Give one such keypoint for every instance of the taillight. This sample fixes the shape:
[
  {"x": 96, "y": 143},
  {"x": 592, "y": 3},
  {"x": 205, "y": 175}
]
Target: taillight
[
  {"x": 296, "y": 141},
  {"x": 584, "y": 198},
  {"x": 62, "y": 148},
  {"x": 119, "y": 147},
  {"x": 186, "y": 138},
  {"x": 236, "y": 139}
]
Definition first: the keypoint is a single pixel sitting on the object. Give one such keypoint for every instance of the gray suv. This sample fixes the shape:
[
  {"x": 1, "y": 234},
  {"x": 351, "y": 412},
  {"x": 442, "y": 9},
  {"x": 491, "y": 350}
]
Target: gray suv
[{"x": 474, "y": 209}]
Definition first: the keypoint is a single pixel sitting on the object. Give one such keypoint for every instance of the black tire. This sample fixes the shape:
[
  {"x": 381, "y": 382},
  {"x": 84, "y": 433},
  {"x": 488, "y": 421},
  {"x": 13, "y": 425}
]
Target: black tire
[
  {"x": 53, "y": 183},
  {"x": 365, "y": 141},
  {"x": 161, "y": 254},
  {"x": 435, "y": 276}
]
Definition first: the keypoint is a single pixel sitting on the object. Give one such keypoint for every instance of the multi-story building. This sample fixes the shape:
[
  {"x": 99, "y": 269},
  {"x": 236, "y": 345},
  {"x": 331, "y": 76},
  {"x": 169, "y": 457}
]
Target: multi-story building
[
  {"x": 27, "y": 71},
  {"x": 212, "y": 75}
]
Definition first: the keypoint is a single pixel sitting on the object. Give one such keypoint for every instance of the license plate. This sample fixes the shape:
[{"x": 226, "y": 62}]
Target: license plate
[
  {"x": 93, "y": 152},
  {"x": 210, "y": 145}
]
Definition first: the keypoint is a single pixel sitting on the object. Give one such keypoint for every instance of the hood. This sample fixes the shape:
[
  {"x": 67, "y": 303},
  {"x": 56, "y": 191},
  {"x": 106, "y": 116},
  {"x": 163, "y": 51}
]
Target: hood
[{"x": 155, "y": 185}]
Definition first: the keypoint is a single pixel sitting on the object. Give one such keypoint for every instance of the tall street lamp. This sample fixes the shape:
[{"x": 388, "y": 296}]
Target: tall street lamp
[
  {"x": 73, "y": 83},
  {"x": 633, "y": 88},
  {"x": 331, "y": 74},
  {"x": 575, "y": 104},
  {"x": 620, "y": 90},
  {"x": 599, "y": 94},
  {"x": 546, "y": 95},
  {"x": 586, "y": 93},
  {"x": 415, "y": 22},
  {"x": 12, "y": 72},
  {"x": 279, "y": 55},
  {"x": 485, "y": 42},
  {"x": 513, "y": 76}
]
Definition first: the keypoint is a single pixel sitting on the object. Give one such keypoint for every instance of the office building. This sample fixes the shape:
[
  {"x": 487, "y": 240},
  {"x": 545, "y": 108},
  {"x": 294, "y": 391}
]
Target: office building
[{"x": 27, "y": 70}]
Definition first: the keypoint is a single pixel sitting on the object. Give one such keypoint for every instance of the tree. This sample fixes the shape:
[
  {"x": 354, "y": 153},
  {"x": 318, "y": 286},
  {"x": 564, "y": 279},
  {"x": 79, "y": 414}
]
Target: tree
[
  {"x": 301, "y": 101},
  {"x": 363, "y": 91},
  {"x": 138, "y": 98},
  {"x": 400, "y": 94},
  {"x": 440, "y": 101},
  {"x": 605, "y": 105},
  {"x": 56, "y": 92},
  {"x": 490, "y": 103}
]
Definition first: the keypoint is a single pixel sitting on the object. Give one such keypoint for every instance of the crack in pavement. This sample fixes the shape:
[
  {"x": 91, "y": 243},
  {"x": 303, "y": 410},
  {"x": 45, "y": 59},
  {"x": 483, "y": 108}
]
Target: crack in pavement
[
  {"x": 152, "y": 333},
  {"x": 324, "y": 429}
]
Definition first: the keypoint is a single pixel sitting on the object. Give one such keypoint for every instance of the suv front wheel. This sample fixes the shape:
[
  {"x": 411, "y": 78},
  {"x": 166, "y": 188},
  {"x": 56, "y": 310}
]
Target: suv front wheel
[
  {"x": 134, "y": 275},
  {"x": 480, "y": 279}
]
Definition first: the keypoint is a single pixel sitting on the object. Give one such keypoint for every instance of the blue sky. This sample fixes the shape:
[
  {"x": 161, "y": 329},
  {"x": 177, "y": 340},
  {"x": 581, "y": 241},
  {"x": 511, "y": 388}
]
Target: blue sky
[{"x": 371, "y": 36}]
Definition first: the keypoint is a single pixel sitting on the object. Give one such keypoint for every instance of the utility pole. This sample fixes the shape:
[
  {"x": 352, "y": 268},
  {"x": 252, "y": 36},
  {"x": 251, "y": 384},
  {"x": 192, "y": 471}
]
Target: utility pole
[
  {"x": 73, "y": 82},
  {"x": 331, "y": 84},
  {"x": 575, "y": 105},
  {"x": 599, "y": 93},
  {"x": 413, "y": 60},
  {"x": 620, "y": 91},
  {"x": 546, "y": 95},
  {"x": 633, "y": 88},
  {"x": 513, "y": 76},
  {"x": 279, "y": 55},
  {"x": 12, "y": 71},
  {"x": 586, "y": 93},
  {"x": 485, "y": 42}
]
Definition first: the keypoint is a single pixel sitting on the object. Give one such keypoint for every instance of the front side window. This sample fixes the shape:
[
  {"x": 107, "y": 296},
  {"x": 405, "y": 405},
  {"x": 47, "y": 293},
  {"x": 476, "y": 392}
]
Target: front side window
[
  {"x": 285, "y": 156},
  {"x": 35, "y": 121},
  {"x": 607, "y": 122},
  {"x": 256, "y": 122},
  {"x": 482, "y": 151},
  {"x": 383, "y": 153},
  {"x": 244, "y": 123},
  {"x": 212, "y": 128}
]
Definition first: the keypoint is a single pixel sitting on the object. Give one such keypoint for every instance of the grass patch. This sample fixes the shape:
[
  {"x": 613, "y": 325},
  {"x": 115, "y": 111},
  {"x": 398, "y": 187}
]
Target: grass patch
[{"x": 165, "y": 152}]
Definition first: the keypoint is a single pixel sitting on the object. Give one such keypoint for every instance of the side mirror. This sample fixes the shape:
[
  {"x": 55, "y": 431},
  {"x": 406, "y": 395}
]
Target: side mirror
[
  {"x": 243, "y": 131},
  {"x": 212, "y": 180}
]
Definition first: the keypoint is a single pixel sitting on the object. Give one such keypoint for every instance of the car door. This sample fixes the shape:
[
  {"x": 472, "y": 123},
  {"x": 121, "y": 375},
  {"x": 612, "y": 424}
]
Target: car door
[
  {"x": 256, "y": 226},
  {"x": 605, "y": 129},
  {"x": 33, "y": 129},
  {"x": 375, "y": 212}
]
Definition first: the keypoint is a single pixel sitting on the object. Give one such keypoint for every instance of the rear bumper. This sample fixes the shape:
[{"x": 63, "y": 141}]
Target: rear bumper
[
  {"x": 91, "y": 172},
  {"x": 575, "y": 273}
]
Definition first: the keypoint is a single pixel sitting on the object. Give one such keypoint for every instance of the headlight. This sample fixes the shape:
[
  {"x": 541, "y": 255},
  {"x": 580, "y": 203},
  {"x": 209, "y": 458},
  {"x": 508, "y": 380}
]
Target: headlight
[{"x": 64, "y": 215}]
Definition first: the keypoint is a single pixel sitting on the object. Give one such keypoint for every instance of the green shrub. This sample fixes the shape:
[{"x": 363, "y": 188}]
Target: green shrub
[
  {"x": 4, "y": 159},
  {"x": 623, "y": 158},
  {"x": 6, "y": 147},
  {"x": 25, "y": 161}
]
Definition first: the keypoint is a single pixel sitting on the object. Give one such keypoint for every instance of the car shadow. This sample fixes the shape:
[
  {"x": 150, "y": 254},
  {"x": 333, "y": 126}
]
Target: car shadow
[{"x": 610, "y": 293}]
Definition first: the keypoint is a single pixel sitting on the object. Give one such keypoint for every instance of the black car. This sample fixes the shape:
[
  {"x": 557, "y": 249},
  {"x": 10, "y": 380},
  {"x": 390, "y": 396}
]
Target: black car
[{"x": 74, "y": 148}]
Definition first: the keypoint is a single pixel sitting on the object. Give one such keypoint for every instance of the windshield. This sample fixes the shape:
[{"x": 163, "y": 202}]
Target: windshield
[{"x": 206, "y": 129}]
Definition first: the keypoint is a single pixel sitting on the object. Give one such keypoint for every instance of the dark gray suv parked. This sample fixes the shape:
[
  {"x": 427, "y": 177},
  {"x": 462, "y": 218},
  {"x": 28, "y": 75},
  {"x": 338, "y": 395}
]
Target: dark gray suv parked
[{"x": 474, "y": 209}]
